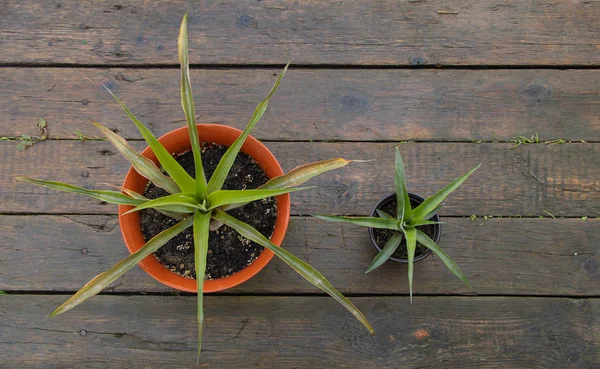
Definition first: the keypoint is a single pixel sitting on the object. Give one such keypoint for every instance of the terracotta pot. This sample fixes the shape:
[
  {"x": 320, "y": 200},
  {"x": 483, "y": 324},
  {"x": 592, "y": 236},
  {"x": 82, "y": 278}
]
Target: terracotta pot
[{"x": 178, "y": 141}]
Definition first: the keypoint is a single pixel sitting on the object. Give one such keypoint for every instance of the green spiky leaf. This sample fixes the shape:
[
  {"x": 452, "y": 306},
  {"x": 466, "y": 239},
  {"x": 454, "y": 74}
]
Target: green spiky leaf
[
  {"x": 404, "y": 210},
  {"x": 179, "y": 202},
  {"x": 225, "y": 197},
  {"x": 298, "y": 176},
  {"x": 185, "y": 182},
  {"x": 135, "y": 195},
  {"x": 418, "y": 223},
  {"x": 305, "y": 270},
  {"x": 201, "y": 223},
  {"x": 431, "y": 203},
  {"x": 141, "y": 164},
  {"x": 424, "y": 240},
  {"x": 411, "y": 246},
  {"x": 434, "y": 212},
  {"x": 103, "y": 280},
  {"x": 219, "y": 175},
  {"x": 383, "y": 214},
  {"x": 189, "y": 108},
  {"x": 112, "y": 197},
  {"x": 390, "y": 247},
  {"x": 362, "y": 221}
]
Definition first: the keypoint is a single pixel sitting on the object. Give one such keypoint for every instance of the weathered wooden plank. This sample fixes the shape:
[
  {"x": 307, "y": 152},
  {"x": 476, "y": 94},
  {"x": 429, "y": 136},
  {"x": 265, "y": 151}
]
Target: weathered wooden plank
[
  {"x": 281, "y": 332},
  {"x": 529, "y": 180},
  {"x": 357, "y": 105},
  {"x": 343, "y": 32},
  {"x": 500, "y": 256}
]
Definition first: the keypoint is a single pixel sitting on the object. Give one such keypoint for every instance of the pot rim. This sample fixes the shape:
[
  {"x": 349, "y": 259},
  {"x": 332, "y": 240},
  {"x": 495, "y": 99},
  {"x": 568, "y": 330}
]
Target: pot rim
[
  {"x": 177, "y": 141},
  {"x": 391, "y": 197}
]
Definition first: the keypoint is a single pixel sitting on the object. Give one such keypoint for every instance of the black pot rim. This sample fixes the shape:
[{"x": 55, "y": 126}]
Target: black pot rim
[{"x": 392, "y": 197}]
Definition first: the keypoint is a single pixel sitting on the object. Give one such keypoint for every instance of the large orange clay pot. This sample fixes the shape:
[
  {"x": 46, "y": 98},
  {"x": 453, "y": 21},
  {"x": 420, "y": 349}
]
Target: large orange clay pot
[{"x": 176, "y": 142}]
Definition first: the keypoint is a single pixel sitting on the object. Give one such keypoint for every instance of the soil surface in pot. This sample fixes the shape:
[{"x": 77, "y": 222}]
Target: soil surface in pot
[
  {"x": 228, "y": 252},
  {"x": 383, "y": 235}
]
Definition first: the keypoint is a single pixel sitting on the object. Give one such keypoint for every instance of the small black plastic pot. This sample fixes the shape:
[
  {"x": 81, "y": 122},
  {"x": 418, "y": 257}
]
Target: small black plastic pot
[{"x": 416, "y": 198}]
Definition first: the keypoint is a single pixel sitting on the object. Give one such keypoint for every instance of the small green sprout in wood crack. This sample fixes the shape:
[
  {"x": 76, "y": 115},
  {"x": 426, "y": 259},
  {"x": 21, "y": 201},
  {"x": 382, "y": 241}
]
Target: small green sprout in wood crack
[
  {"x": 549, "y": 213},
  {"x": 522, "y": 140},
  {"x": 584, "y": 218},
  {"x": 3, "y": 293},
  {"x": 81, "y": 137},
  {"x": 25, "y": 141},
  {"x": 558, "y": 141}
]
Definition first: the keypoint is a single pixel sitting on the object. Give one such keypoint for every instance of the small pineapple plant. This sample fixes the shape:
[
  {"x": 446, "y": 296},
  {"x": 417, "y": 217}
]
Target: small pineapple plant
[
  {"x": 197, "y": 202},
  {"x": 406, "y": 223}
]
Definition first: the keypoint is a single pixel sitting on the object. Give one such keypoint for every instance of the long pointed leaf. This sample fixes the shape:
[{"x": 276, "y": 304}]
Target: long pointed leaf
[
  {"x": 303, "y": 173},
  {"x": 141, "y": 164},
  {"x": 432, "y": 202},
  {"x": 363, "y": 221},
  {"x": 178, "y": 202},
  {"x": 189, "y": 108},
  {"x": 220, "y": 173},
  {"x": 402, "y": 200},
  {"x": 390, "y": 247},
  {"x": 424, "y": 240},
  {"x": 112, "y": 197},
  {"x": 298, "y": 176},
  {"x": 102, "y": 280},
  {"x": 224, "y": 197},
  {"x": 383, "y": 214},
  {"x": 304, "y": 269},
  {"x": 432, "y": 213},
  {"x": 201, "y": 222},
  {"x": 418, "y": 223},
  {"x": 185, "y": 182},
  {"x": 135, "y": 195},
  {"x": 411, "y": 246}
]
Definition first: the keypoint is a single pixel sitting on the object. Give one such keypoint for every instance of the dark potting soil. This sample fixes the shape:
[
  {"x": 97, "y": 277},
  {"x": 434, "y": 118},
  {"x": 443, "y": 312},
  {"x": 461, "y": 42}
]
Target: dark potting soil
[
  {"x": 228, "y": 252},
  {"x": 383, "y": 235}
]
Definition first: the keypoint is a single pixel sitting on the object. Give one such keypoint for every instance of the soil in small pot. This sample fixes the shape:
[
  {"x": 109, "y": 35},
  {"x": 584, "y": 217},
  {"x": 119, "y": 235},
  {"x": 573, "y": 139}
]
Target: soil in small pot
[
  {"x": 228, "y": 252},
  {"x": 383, "y": 235}
]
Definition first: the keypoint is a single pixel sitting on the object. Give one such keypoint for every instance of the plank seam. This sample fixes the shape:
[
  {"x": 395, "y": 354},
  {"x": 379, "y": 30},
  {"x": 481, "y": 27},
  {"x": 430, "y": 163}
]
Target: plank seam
[
  {"x": 302, "y": 66},
  {"x": 291, "y": 294}
]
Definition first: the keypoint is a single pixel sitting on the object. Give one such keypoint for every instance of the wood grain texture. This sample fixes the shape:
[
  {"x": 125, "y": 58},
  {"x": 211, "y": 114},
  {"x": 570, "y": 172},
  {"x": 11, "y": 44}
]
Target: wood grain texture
[
  {"x": 409, "y": 32},
  {"x": 330, "y": 104},
  {"x": 282, "y": 332},
  {"x": 500, "y": 256},
  {"x": 529, "y": 180}
]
